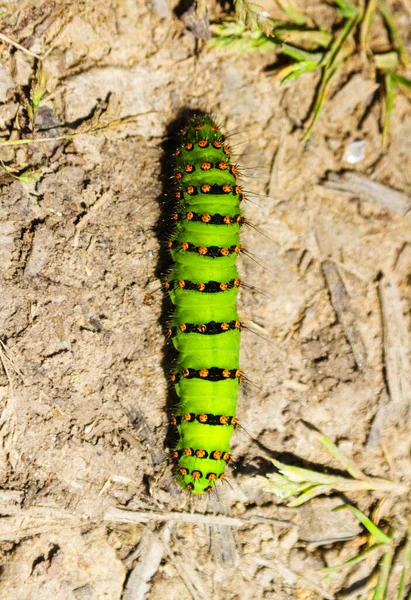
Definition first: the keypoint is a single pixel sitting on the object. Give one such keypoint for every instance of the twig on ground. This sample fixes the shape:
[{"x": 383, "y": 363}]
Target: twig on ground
[
  {"x": 356, "y": 184},
  {"x": 128, "y": 516},
  {"x": 396, "y": 348},
  {"x": 344, "y": 311},
  {"x": 151, "y": 552},
  {"x": 8, "y": 40}
]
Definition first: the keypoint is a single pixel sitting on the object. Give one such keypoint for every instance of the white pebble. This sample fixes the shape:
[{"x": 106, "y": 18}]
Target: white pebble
[{"x": 354, "y": 152}]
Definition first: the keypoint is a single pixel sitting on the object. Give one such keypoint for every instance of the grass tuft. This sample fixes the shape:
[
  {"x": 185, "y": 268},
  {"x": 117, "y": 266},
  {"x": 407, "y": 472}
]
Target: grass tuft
[
  {"x": 305, "y": 484},
  {"x": 386, "y": 547},
  {"x": 312, "y": 48},
  {"x": 389, "y": 547}
]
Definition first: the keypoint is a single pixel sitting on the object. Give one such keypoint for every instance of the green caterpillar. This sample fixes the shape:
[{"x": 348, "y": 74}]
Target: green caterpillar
[{"x": 203, "y": 286}]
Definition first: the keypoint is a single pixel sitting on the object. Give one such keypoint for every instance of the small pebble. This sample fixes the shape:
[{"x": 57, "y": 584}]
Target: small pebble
[{"x": 354, "y": 152}]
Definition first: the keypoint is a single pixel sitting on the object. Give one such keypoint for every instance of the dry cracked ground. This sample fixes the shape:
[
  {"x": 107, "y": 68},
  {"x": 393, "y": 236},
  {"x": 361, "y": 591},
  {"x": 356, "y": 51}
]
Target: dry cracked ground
[{"x": 88, "y": 506}]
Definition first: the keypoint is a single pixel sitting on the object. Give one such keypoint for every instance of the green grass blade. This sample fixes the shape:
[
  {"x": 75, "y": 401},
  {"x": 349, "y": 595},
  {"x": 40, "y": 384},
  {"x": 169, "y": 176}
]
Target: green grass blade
[
  {"x": 283, "y": 488},
  {"x": 353, "y": 561},
  {"x": 38, "y": 88},
  {"x": 228, "y": 28},
  {"x": 235, "y": 37},
  {"x": 310, "y": 493},
  {"x": 29, "y": 175},
  {"x": 300, "y": 475},
  {"x": 320, "y": 99},
  {"x": 346, "y": 9},
  {"x": 401, "y": 589},
  {"x": 389, "y": 85},
  {"x": 366, "y": 23},
  {"x": 337, "y": 45},
  {"x": 294, "y": 71},
  {"x": 375, "y": 531},
  {"x": 406, "y": 567},
  {"x": 314, "y": 58},
  {"x": 380, "y": 592},
  {"x": 348, "y": 464},
  {"x": 392, "y": 27},
  {"x": 401, "y": 80},
  {"x": 307, "y": 492},
  {"x": 330, "y": 64},
  {"x": 292, "y": 12},
  {"x": 312, "y": 38}
]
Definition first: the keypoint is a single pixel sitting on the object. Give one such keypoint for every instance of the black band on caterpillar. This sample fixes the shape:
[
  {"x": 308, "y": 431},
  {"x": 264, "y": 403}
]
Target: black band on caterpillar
[
  {"x": 207, "y": 188},
  {"x": 201, "y": 453},
  {"x": 205, "y": 419},
  {"x": 216, "y": 219},
  {"x": 211, "y": 287},
  {"x": 211, "y": 374},
  {"x": 210, "y": 328},
  {"x": 211, "y": 251},
  {"x": 207, "y": 166}
]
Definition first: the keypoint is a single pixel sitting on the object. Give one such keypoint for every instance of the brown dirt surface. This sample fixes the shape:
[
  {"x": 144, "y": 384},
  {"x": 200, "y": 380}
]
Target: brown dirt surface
[{"x": 88, "y": 504}]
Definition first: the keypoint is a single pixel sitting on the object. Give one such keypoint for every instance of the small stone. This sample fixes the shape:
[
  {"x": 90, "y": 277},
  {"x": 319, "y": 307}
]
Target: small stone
[{"x": 355, "y": 152}]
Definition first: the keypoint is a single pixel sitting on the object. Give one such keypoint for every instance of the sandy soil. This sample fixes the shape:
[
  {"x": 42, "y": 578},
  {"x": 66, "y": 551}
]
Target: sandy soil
[{"x": 82, "y": 387}]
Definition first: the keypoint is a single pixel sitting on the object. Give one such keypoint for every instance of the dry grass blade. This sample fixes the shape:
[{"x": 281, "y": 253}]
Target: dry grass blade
[
  {"x": 37, "y": 520},
  {"x": 94, "y": 129},
  {"x": 188, "y": 570}
]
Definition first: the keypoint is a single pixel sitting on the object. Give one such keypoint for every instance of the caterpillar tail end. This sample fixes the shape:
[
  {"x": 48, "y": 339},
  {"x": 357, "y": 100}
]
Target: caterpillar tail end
[{"x": 197, "y": 486}]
